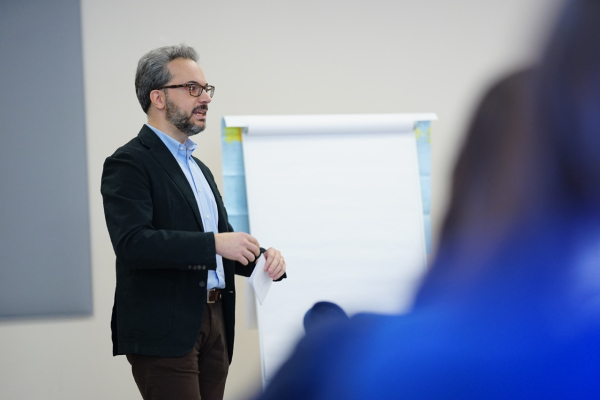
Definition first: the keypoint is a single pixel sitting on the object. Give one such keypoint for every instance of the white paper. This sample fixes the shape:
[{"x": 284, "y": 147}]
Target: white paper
[{"x": 260, "y": 280}]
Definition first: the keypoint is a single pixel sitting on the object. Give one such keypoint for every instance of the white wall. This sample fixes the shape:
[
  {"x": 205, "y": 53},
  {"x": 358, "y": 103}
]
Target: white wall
[{"x": 264, "y": 57}]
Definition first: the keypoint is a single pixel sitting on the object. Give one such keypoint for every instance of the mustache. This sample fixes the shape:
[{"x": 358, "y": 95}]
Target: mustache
[{"x": 201, "y": 107}]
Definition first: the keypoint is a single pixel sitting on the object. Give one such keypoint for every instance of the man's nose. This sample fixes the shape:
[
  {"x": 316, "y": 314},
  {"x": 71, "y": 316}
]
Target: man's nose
[{"x": 204, "y": 98}]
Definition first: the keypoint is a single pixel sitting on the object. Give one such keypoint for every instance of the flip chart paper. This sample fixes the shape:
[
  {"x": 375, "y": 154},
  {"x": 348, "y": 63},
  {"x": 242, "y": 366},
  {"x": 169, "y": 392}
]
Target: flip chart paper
[{"x": 344, "y": 208}]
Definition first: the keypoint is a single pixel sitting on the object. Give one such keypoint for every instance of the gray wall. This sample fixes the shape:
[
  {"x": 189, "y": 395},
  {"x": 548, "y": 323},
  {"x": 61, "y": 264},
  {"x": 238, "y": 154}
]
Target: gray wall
[{"x": 45, "y": 265}]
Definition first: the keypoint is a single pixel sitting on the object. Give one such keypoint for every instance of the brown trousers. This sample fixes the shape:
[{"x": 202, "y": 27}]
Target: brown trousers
[{"x": 198, "y": 375}]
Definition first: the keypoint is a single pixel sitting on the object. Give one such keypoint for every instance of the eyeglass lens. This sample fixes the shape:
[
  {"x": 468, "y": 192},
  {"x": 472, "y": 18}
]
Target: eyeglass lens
[{"x": 196, "y": 90}]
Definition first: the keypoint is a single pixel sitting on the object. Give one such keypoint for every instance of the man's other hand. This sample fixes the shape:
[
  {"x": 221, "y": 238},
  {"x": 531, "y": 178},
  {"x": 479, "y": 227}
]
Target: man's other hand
[{"x": 274, "y": 263}]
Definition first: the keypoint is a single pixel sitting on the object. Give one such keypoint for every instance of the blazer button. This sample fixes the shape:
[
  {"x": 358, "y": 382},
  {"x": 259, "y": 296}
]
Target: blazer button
[
  {"x": 204, "y": 267},
  {"x": 190, "y": 266},
  {"x": 202, "y": 283}
]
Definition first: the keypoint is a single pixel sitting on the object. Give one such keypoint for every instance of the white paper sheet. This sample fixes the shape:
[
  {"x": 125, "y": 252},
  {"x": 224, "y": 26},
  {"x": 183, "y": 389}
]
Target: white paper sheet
[{"x": 260, "y": 280}]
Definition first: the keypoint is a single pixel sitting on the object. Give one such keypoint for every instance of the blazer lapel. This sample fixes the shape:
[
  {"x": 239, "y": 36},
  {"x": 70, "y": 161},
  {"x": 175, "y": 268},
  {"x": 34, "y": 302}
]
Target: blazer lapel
[{"x": 163, "y": 156}]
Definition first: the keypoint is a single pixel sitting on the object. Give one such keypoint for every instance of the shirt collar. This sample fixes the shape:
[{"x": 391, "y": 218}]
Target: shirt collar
[{"x": 173, "y": 145}]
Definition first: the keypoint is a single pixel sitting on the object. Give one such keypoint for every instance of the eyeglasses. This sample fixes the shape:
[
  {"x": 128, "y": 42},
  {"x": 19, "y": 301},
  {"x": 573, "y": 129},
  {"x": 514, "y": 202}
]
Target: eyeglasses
[{"x": 194, "y": 88}]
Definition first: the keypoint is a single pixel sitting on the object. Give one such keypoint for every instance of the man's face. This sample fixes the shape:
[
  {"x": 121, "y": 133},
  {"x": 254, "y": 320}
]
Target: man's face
[{"x": 185, "y": 112}]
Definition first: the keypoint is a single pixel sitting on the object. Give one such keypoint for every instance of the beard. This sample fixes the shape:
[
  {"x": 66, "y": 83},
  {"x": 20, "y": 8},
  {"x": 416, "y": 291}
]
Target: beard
[{"x": 181, "y": 120}]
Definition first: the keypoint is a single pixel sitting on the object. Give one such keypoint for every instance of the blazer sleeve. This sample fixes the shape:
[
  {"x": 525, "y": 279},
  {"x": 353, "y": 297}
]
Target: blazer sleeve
[{"x": 148, "y": 226}]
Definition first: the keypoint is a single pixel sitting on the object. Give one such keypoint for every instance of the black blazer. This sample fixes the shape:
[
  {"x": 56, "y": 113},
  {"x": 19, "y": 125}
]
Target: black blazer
[{"x": 163, "y": 254}]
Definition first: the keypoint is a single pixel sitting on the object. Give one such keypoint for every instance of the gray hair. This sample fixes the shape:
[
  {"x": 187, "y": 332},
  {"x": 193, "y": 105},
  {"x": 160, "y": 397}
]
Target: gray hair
[{"x": 152, "y": 71}]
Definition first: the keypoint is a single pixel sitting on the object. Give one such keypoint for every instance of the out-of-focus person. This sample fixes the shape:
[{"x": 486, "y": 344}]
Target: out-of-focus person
[{"x": 511, "y": 306}]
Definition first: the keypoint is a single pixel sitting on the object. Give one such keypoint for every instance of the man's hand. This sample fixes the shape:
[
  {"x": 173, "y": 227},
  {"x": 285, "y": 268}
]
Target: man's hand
[
  {"x": 238, "y": 246},
  {"x": 274, "y": 263}
]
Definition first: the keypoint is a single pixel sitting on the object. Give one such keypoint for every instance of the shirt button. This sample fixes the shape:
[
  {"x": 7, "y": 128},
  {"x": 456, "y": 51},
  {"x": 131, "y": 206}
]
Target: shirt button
[
  {"x": 208, "y": 217},
  {"x": 202, "y": 283}
]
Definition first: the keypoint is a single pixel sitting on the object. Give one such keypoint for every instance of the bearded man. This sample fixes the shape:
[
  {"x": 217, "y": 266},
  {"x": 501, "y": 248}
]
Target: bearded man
[{"x": 176, "y": 253}]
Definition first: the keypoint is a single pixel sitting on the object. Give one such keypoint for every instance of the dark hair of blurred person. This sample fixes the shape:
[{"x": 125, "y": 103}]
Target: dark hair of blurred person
[
  {"x": 568, "y": 93},
  {"x": 511, "y": 306},
  {"x": 520, "y": 179},
  {"x": 495, "y": 173}
]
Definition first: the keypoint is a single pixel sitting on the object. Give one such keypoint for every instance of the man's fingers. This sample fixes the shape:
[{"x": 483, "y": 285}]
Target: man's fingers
[
  {"x": 275, "y": 263},
  {"x": 274, "y": 272},
  {"x": 272, "y": 256},
  {"x": 277, "y": 267},
  {"x": 251, "y": 244},
  {"x": 253, "y": 240},
  {"x": 279, "y": 270},
  {"x": 268, "y": 262},
  {"x": 255, "y": 250},
  {"x": 248, "y": 255}
]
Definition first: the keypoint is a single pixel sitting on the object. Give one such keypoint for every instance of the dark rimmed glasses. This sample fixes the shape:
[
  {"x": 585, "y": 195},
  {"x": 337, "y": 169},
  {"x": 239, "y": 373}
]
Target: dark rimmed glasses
[{"x": 195, "y": 89}]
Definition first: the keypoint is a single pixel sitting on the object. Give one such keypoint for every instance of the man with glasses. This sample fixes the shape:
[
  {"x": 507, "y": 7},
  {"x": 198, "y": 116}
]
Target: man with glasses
[{"x": 176, "y": 253}]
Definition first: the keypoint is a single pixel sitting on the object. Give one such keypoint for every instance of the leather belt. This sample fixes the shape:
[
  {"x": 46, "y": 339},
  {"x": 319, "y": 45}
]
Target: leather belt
[{"x": 213, "y": 296}]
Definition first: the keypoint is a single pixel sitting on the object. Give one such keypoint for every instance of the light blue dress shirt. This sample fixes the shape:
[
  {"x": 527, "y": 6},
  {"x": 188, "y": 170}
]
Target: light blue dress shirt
[{"x": 204, "y": 196}]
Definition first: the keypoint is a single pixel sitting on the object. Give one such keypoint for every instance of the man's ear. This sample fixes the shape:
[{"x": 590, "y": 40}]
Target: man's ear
[{"x": 157, "y": 97}]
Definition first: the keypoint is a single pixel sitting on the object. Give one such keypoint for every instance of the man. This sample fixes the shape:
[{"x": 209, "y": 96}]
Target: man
[{"x": 176, "y": 252}]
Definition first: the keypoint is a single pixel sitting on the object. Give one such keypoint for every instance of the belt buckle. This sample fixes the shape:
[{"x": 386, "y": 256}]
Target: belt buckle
[{"x": 217, "y": 296}]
